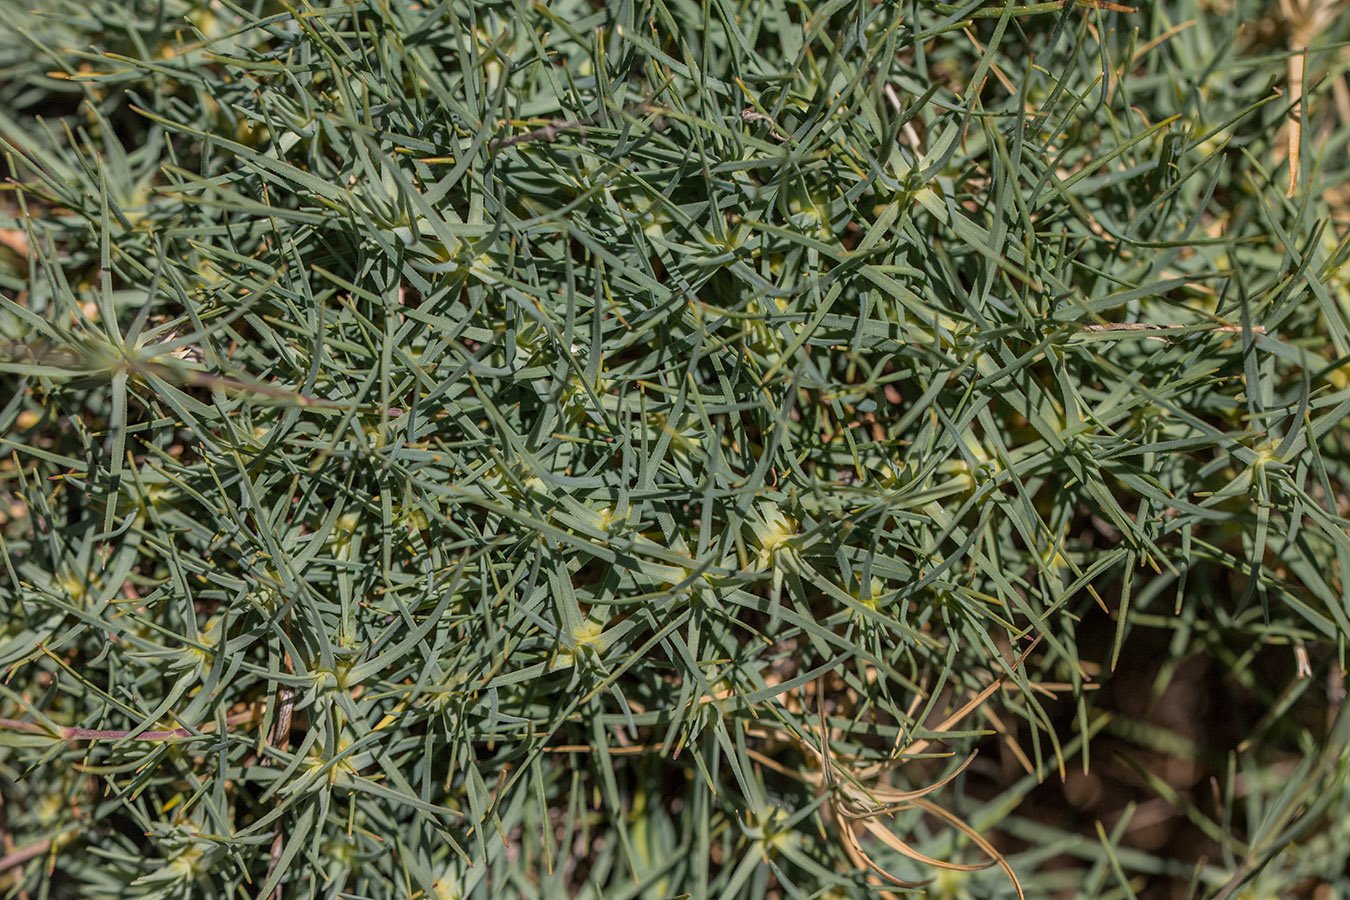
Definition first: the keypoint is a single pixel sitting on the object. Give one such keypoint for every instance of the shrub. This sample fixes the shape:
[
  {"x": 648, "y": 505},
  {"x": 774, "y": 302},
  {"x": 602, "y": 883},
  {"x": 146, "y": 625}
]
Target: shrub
[{"x": 496, "y": 449}]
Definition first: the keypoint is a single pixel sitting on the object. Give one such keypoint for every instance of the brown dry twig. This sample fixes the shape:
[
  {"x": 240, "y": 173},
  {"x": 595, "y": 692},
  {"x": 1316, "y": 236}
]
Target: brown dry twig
[
  {"x": 1150, "y": 327},
  {"x": 69, "y": 733},
  {"x": 281, "y": 739},
  {"x": 552, "y": 129},
  {"x": 750, "y": 114},
  {"x": 1305, "y": 20},
  {"x": 24, "y": 854}
]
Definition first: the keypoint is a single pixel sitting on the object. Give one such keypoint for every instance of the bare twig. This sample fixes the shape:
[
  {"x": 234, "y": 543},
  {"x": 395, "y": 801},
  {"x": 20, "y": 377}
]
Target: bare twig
[
  {"x": 24, "y": 854},
  {"x": 1305, "y": 20},
  {"x": 91, "y": 734},
  {"x": 1295, "y": 132},
  {"x": 750, "y": 114},
  {"x": 1147, "y": 328},
  {"x": 910, "y": 134},
  {"x": 552, "y": 129},
  {"x": 281, "y": 739}
]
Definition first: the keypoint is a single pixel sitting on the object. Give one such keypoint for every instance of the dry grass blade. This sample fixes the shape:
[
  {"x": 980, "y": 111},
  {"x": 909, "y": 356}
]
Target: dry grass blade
[
  {"x": 860, "y": 859},
  {"x": 895, "y": 801},
  {"x": 976, "y": 838},
  {"x": 850, "y": 802},
  {"x": 887, "y": 837}
]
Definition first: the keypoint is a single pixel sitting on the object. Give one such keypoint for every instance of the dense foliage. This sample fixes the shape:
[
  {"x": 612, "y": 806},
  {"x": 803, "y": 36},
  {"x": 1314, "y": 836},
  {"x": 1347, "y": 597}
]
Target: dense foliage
[{"x": 646, "y": 442}]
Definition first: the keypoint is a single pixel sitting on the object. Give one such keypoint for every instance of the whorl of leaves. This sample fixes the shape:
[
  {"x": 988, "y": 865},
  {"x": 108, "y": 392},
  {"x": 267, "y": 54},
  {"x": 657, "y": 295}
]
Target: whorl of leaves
[{"x": 542, "y": 397}]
